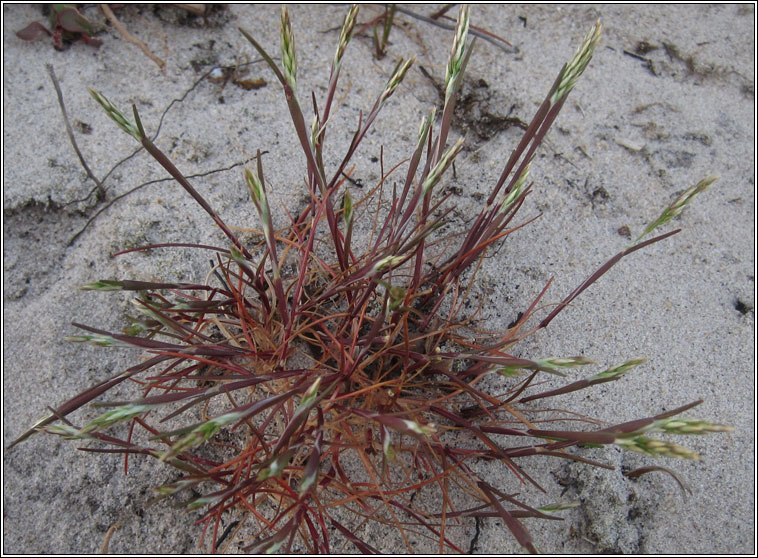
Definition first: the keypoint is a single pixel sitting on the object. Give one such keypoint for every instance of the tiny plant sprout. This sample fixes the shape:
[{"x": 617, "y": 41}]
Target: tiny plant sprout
[{"x": 306, "y": 405}]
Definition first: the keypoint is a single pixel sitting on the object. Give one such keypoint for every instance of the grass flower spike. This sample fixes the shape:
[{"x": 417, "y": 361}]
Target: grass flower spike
[
  {"x": 345, "y": 36},
  {"x": 116, "y": 115},
  {"x": 289, "y": 58},
  {"x": 678, "y": 205},
  {"x": 395, "y": 79},
  {"x": 455, "y": 65},
  {"x": 518, "y": 187},
  {"x": 656, "y": 448},
  {"x": 442, "y": 165},
  {"x": 686, "y": 426},
  {"x": 572, "y": 70}
]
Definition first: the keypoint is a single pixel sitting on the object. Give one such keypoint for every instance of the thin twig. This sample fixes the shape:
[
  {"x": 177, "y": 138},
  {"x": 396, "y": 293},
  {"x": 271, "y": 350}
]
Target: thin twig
[
  {"x": 197, "y": 9},
  {"x": 148, "y": 183},
  {"x": 477, "y": 30},
  {"x": 442, "y": 11},
  {"x": 70, "y": 131},
  {"x": 635, "y": 55},
  {"x": 160, "y": 125},
  {"x": 163, "y": 116},
  {"x": 129, "y": 37},
  {"x": 108, "y": 535},
  {"x": 502, "y": 43}
]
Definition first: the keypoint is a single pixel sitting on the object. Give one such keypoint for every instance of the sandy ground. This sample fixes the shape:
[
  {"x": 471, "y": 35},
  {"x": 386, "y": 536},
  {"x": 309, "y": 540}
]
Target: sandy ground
[{"x": 667, "y": 100}]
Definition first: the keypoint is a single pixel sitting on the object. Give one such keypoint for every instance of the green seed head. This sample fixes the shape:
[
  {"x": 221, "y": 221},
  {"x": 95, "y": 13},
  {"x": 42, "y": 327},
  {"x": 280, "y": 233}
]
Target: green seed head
[
  {"x": 678, "y": 205},
  {"x": 386, "y": 262},
  {"x": 102, "y": 285},
  {"x": 455, "y": 62},
  {"x": 619, "y": 370},
  {"x": 345, "y": 35},
  {"x": 119, "y": 414},
  {"x": 395, "y": 79},
  {"x": 686, "y": 426},
  {"x": 116, "y": 115},
  {"x": 98, "y": 339},
  {"x": 423, "y": 131},
  {"x": 67, "y": 431},
  {"x": 256, "y": 189},
  {"x": 276, "y": 467},
  {"x": 201, "y": 433},
  {"x": 515, "y": 192},
  {"x": 553, "y": 363},
  {"x": 309, "y": 397},
  {"x": 289, "y": 58},
  {"x": 576, "y": 66},
  {"x": 347, "y": 207},
  {"x": 655, "y": 448},
  {"x": 442, "y": 165}
]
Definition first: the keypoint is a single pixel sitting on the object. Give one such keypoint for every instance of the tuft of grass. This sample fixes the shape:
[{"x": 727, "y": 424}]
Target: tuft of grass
[{"x": 311, "y": 404}]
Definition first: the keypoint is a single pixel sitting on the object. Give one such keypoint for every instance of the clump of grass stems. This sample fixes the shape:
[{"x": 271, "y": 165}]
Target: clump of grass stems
[{"x": 351, "y": 386}]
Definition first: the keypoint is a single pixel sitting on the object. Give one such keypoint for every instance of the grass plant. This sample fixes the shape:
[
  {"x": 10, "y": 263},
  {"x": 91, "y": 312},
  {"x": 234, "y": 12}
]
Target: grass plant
[{"x": 308, "y": 405}]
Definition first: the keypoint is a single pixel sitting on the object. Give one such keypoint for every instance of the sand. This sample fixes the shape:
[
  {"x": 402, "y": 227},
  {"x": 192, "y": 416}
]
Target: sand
[{"x": 667, "y": 100}]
